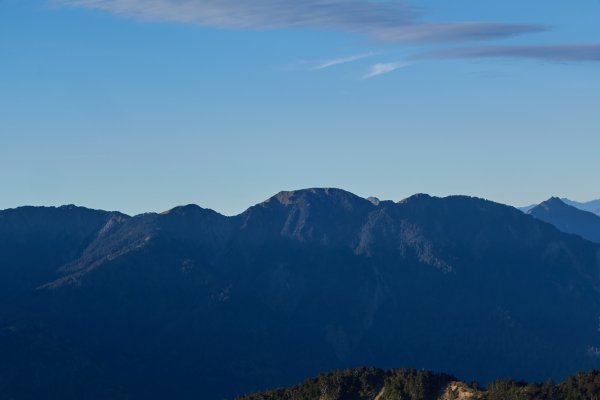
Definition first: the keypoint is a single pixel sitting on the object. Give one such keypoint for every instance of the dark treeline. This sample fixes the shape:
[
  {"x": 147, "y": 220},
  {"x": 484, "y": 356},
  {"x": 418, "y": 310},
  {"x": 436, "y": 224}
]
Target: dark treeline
[{"x": 411, "y": 384}]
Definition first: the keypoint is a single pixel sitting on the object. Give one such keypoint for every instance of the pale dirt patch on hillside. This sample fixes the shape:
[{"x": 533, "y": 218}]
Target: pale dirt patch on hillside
[{"x": 459, "y": 391}]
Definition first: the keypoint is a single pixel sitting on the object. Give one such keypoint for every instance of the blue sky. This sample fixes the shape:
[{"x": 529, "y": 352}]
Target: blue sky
[{"x": 141, "y": 105}]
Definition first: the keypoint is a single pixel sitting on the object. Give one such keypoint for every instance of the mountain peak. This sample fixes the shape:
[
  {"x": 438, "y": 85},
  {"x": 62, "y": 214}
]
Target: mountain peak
[
  {"x": 568, "y": 219},
  {"x": 552, "y": 203},
  {"x": 290, "y": 197},
  {"x": 554, "y": 200},
  {"x": 313, "y": 196},
  {"x": 184, "y": 210}
]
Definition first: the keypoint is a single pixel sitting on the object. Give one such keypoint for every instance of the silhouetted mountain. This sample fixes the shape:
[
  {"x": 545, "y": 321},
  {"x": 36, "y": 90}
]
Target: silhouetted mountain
[
  {"x": 569, "y": 219},
  {"x": 193, "y": 304},
  {"x": 591, "y": 206}
]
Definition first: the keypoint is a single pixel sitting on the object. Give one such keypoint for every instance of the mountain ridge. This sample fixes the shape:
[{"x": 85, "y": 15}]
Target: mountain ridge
[
  {"x": 303, "y": 216},
  {"x": 191, "y": 303},
  {"x": 591, "y": 206},
  {"x": 568, "y": 218}
]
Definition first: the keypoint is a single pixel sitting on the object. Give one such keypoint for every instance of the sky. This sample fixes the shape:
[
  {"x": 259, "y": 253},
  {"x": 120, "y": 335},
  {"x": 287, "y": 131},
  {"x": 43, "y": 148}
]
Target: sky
[{"x": 143, "y": 105}]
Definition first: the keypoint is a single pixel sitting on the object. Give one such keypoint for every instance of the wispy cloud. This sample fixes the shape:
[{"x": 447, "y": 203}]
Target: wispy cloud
[
  {"x": 383, "y": 68},
  {"x": 338, "y": 61},
  {"x": 459, "y": 31},
  {"x": 550, "y": 52},
  {"x": 385, "y": 21}
]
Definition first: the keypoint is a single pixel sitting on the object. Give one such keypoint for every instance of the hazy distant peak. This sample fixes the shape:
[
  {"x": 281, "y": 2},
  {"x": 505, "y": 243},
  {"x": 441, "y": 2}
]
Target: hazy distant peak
[
  {"x": 557, "y": 204},
  {"x": 568, "y": 218},
  {"x": 591, "y": 206}
]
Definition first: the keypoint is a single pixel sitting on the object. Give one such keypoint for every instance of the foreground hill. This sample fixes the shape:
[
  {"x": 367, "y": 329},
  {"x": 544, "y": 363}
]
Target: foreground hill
[
  {"x": 410, "y": 384},
  {"x": 569, "y": 219},
  {"x": 193, "y": 304}
]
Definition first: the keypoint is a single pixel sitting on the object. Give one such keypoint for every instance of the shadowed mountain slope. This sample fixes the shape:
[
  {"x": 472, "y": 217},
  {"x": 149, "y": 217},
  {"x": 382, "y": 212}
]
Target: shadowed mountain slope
[{"x": 193, "y": 304}]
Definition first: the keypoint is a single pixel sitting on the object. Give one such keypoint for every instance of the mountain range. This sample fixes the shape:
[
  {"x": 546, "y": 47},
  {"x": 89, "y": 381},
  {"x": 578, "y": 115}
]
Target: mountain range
[
  {"x": 568, "y": 219},
  {"x": 193, "y": 304},
  {"x": 592, "y": 206}
]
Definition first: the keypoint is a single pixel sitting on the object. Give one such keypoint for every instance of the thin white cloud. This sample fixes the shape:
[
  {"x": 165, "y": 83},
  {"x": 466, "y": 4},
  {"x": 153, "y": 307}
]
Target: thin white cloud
[
  {"x": 383, "y": 68},
  {"x": 391, "y": 21},
  {"x": 338, "y": 61}
]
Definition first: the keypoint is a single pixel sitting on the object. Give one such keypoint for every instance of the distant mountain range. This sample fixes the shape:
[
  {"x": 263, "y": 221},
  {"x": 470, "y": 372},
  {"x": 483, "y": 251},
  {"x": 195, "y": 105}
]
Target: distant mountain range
[
  {"x": 568, "y": 218},
  {"x": 193, "y": 304},
  {"x": 591, "y": 206}
]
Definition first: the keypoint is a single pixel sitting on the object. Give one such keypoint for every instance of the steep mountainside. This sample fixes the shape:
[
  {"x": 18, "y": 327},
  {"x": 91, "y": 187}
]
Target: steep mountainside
[
  {"x": 569, "y": 219},
  {"x": 193, "y": 304},
  {"x": 36, "y": 241}
]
